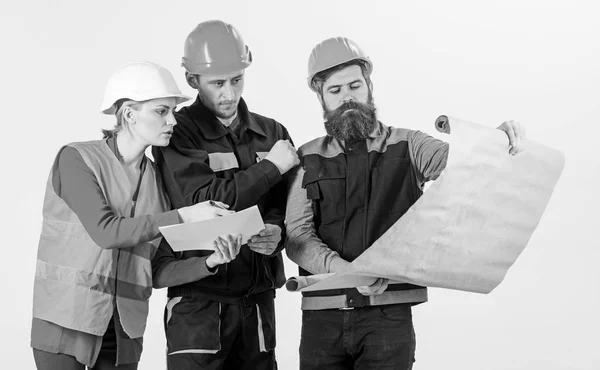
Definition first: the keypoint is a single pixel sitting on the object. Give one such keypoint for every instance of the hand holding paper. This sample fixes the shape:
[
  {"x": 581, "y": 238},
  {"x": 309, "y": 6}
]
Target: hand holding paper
[
  {"x": 201, "y": 235},
  {"x": 378, "y": 287},
  {"x": 266, "y": 241},
  {"x": 226, "y": 250},
  {"x": 203, "y": 211}
]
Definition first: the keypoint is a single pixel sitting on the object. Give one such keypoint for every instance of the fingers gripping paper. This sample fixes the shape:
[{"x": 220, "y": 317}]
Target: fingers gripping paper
[
  {"x": 200, "y": 235},
  {"x": 473, "y": 222}
]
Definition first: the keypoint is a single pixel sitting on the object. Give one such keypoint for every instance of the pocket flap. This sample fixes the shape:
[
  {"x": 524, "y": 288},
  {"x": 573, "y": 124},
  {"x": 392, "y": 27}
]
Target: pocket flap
[{"x": 325, "y": 173}]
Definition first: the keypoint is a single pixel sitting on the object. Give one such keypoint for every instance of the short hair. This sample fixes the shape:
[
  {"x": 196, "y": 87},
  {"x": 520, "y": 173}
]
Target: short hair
[{"x": 320, "y": 77}]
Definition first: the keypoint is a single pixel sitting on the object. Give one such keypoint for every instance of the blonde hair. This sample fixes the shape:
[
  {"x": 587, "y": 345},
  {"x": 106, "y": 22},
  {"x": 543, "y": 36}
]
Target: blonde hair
[{"x": 120, "y": 105}]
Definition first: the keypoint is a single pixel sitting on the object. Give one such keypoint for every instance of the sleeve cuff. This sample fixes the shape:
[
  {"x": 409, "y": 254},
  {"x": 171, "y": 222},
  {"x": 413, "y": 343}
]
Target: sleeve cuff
[
  {"x": 168, "y": 218},
  {"x": 270, "y": 171},
  {"x": 205, "y": 270}
]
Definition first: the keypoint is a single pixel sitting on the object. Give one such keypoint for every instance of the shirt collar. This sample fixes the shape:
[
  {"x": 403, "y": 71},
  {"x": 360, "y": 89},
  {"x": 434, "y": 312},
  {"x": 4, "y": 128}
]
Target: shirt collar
[
  {"x": 379, "y": 130},
  {"x": 212, "y": 128}
]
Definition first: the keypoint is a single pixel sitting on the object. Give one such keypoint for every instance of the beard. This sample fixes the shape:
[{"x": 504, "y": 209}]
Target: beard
[{"x": 352, "y": 121}]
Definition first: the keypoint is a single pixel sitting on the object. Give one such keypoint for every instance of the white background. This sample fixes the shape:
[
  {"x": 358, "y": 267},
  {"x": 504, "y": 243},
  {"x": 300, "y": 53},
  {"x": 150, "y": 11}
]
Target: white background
[{"x": 534, "y": 61}]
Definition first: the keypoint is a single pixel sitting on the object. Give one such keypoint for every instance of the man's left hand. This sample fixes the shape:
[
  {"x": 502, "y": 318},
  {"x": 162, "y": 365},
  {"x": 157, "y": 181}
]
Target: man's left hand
[
  {"x": 378, "y": 287},
  {"x": 516, "y": 134},
  {"x": 266, "y": 241}
]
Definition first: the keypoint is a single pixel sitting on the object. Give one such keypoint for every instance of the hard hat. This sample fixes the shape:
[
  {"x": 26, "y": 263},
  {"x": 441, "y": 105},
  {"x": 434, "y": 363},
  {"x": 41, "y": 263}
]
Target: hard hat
[
  {"x": 140, "y": 81},
  {"x": 215, "y": 47},
  {"x": 332, "y": 52}
]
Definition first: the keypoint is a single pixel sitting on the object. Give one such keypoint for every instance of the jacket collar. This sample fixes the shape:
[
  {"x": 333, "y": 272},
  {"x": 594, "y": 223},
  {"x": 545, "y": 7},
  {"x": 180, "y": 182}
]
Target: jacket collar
[
  {"x": 378, "y": 130},
  {"x": 212, "y": 128}
]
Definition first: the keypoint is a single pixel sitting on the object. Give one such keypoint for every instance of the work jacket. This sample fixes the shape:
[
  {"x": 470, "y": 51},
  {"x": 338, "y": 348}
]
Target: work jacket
[
  {"x": 78, "y": 283},
  {"x": 207, "y": 161},
  {"x": 356, "y": 192}
]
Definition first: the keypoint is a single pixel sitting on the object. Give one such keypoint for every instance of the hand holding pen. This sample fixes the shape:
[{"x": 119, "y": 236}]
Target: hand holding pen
[
  {"x": 204, "y": 211},
  {"x": 219, "y": 205}
]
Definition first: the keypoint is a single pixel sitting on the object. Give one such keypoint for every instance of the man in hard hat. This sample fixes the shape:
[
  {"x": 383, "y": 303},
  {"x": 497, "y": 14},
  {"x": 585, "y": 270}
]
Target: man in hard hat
[
  {"x": 354, "y": 183},
  {"x": 222, "y": 151}
]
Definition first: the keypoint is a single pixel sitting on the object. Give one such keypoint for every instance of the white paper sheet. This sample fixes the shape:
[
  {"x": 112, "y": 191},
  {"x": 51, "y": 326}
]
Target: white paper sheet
[
  {"x": 200, "y": 235},
  {"x": 470, "y": 226}
]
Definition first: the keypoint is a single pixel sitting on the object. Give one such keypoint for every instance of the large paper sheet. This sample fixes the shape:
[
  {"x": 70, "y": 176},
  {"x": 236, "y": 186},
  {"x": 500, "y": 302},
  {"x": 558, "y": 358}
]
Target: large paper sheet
[
  {"x": 473, "y": 222},
  {"x": 200, "y": 235}
]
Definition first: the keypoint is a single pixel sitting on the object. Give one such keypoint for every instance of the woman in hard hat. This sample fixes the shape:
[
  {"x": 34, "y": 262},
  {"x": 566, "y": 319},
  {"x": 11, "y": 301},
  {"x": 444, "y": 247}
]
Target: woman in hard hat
[{"x": 103, "y": 206}]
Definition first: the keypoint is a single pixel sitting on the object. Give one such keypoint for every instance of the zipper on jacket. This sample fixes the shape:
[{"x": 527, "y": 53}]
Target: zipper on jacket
[{"x": 232, "y": 143}]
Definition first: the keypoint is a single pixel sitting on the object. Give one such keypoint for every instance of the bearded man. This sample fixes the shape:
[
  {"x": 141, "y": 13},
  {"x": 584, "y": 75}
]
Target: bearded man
[{"x": 352, "y": 185}]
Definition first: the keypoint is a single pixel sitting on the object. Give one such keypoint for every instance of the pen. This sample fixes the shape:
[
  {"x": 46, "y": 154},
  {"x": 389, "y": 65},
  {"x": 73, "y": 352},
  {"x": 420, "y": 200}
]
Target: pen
[{"x": 215, "y": 204}]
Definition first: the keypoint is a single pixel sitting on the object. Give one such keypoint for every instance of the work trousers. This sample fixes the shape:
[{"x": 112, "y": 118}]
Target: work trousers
[
  {"x": 205, "y": 335},
  {"x": 375, "y": 337}
]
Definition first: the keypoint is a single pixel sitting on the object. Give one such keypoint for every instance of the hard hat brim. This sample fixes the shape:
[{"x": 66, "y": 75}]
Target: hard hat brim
[
  {"x": 213, "y": 69},
  {"x": 180, "y": 98}
]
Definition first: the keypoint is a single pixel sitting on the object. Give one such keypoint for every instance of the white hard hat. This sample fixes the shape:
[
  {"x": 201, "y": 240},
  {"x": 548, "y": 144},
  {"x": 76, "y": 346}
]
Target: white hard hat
[{"x": 140, "y": 81}]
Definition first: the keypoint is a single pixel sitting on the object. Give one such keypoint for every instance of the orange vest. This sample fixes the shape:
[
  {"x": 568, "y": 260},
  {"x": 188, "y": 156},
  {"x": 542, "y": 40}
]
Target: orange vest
[{"x": 76, "y": 281}]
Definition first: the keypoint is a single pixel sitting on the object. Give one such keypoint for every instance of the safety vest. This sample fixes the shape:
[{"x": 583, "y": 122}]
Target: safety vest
[{"x": 77, "y": 281}]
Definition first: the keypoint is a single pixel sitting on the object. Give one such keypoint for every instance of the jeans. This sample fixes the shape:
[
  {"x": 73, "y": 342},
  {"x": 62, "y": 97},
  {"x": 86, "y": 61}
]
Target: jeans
[{"x": 375, "y": 337}]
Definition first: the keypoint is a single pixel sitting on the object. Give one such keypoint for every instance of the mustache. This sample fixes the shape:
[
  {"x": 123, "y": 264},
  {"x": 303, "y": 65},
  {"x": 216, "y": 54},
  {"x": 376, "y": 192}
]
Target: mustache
[
  {"x": 351, "y": 121},
  {"x": 352, "y": 105}
]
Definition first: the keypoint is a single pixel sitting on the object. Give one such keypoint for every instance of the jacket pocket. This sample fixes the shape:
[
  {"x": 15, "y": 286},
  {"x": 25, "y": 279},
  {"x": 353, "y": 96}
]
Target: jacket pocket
[
  {"x": 392, "y": 187},
  {"x": 327, "y": 189},
  {"x": 192, "y": 325},
  {"x": 265, "y": 313}
]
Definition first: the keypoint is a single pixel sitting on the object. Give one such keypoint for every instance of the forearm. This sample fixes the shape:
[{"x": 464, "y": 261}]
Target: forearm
[
  {"x": 313, "y": 255},
  {"x": 168, "y": 270},
  {"x": 246, "y": 187},
  {"x": 189, "y": 179},
  {"x": 125, "y": 232},
  {"x": 173, "y": 272}
]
